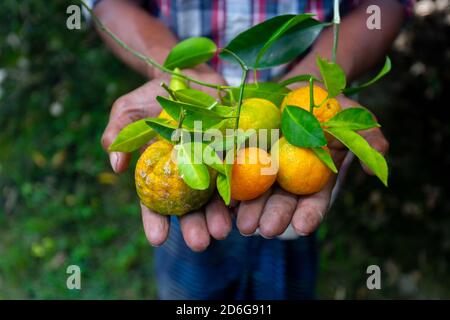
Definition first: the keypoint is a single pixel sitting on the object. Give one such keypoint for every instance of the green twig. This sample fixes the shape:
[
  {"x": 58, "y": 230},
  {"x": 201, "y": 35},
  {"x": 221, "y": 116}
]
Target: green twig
[
  {"x": 143, "y": 57},
  {"x": 336, "y": 23},
  {"x": 169, "y": 91},
  {"x": 311, "y": 94}
]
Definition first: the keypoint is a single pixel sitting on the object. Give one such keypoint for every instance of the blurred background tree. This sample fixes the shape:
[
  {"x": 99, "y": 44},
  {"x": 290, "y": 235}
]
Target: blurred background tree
[{"x": 60, "y": 204}]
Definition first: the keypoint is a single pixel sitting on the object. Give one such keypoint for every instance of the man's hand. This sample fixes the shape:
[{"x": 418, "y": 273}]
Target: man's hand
[
  {"x": 197, "y": 227},
  {"x": 276, "y": 209}
]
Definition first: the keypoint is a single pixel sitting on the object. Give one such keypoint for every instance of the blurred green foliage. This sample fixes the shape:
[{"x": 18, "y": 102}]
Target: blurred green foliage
[{"x": 61, "y": 205}]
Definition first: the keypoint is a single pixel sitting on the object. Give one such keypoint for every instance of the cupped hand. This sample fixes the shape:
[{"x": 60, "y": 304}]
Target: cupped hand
[
  {"x": 197, "y": 227},
  {"x": 276, "y": 209}
]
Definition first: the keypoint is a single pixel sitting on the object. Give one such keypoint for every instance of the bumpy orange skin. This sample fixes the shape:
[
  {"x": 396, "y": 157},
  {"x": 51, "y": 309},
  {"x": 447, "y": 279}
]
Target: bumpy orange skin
[
  {"x": 300, "y": 171},
  {"x": 251, "y": 174},
  {"x": 300, "y": 98},
  {"x": 160, "y": 187}
]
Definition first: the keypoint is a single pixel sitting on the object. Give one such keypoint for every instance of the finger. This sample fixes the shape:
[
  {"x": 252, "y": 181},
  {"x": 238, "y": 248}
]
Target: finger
[
  {"x": 249, "y": 213},
  {"x": 218, "y": 219},
  {"x": 277, "y": 213},
  {"x": 311, "y": 209},
  {"x": 195, "y": 231},
  {"x": 156, "y": 226}
]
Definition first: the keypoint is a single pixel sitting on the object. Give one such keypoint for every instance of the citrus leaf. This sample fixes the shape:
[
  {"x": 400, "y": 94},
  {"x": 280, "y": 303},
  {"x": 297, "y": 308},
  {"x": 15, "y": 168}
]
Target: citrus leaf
[
  {"x": 133, "y": 136},
  {"x": 193, "y": 113},
  {"x": 279, "y": 32},
  {"x": 271, "y": 91},
  {"x": 162, "y": 127},
  {"x": 386, "y": 68},
  {"x": 290, "y": 44},
  {"x": 333, "y": 76},
  {"x": 190, "y": 52},
  {"x": 195, "y": 97},
  {"x": 301, "y": 128},
  {"x": 299, "y": 78},
  {"x": 352, "y": 119},
  {"x": 210, "y": 158},
  {"x": 223, "y": 181},
  {"x": 227, "y": 141},
  {"x": 326, "y": 158},
  {"x": 361, "y": 148},
  {"x": 191, "y": 169}
]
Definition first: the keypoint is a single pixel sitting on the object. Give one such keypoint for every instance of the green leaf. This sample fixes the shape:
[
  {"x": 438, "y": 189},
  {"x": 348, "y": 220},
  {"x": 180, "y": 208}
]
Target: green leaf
[
  {"x": 271, "y": 91},
  {"x": 162, "y": 127},
  {"x": 223, "y": 181},
  {"x": 295, "y": 38},
  {"x": 279, "y": 32},
  {"x": 227, "y": 142},
  {"x": 190, "y": 52},
  {"x": 326, "y": 158},
  {"x": 133, "y": 136},
  {"x": 333, "y": 76},
  {"x": 386, "y": 68},
  {"x": 301, "y": 128},
  {"x": 361, "y": 148},
  {"x": 208, "y": 118},
  {"x": 299, "y": 78},
  {"x": 190, "y": 167},
  {"x": 211, "y": 158},
  {"x": 195, "y": 97},
  {"x": 352, "y": 119}
]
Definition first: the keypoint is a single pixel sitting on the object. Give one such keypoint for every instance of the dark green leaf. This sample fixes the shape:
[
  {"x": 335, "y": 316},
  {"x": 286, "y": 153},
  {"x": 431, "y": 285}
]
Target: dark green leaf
[
  {"x": 352, "y": 119},
  {"x": 293, "y": 42},
  {"x": 326, "y": 158},
  {"x": 271, "y": 91},
  {"x": 162, "y": 127},
  {"x": 190, "y": 167},
  {"x": 279, "y": 32},
  {"x": 208, "y": 118},
  {"x": 386, "y": 68},
  {"x": 299, "y": 78},
  {"x": 195, "y": 97},
  {"x": 361, "y": 148},
  {"x": 190, "y": 52},
  {"x": 333, "y": 76},
  {"x": 301, "y": 128},
  {"x": 133, "y": 136}
]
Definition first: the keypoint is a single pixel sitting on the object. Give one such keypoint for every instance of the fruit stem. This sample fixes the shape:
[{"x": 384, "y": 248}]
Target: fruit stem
[
  {"x": 336, "y": 23},
  {"x": 241, "y": 95},
  {"x": 143, "y": 57},
  {"x": 311, "y": 94}
]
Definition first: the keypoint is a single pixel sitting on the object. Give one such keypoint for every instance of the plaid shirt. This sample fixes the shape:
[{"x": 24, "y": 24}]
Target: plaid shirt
[{"x": 222, "y": 20}]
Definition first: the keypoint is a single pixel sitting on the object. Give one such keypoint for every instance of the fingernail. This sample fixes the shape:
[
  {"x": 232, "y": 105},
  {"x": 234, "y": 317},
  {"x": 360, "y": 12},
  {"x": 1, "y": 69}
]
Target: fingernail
[{"x": 114, "y": 160}]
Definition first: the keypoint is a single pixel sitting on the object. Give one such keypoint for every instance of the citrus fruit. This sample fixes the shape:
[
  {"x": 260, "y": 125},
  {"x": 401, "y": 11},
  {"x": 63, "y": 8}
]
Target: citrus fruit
[
  {"x": 258, "y": 114},
  {"x": 300, "y": 171},
  {"x": 251, "y": 174},
  {"x": 159, "y": 185},
  {"x": 300, "y": 98}
]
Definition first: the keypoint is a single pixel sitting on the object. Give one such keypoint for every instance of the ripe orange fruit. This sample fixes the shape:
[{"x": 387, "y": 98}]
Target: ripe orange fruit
[
  {"x": 160, "y": 187},
  {"x": 300, "y": 171},
  {"x": 300, "y": 98},
  {"x": 251, "y": 174}
]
